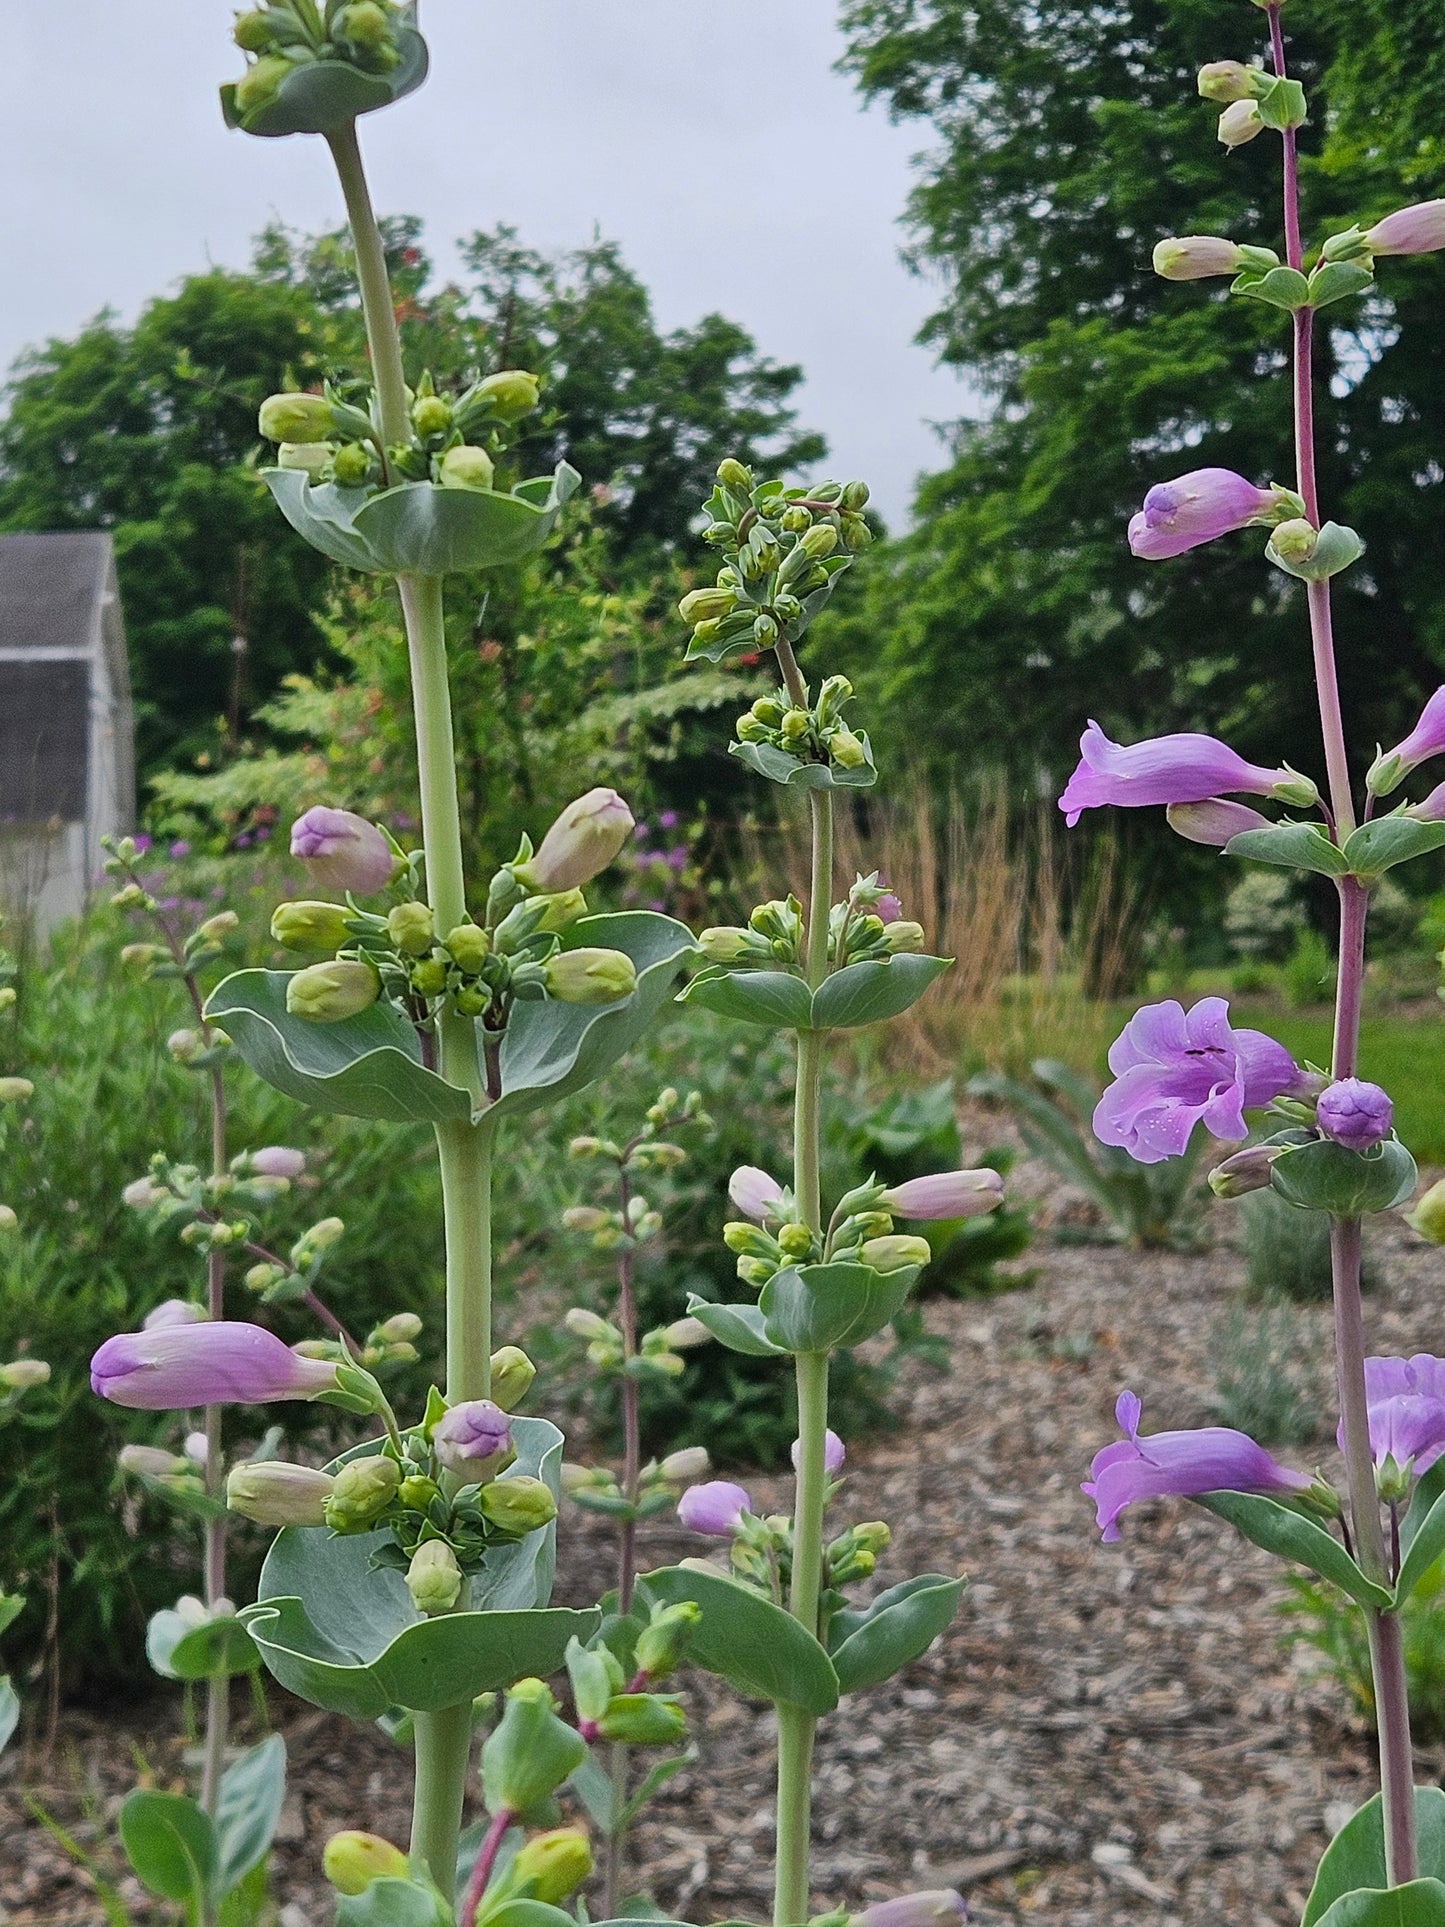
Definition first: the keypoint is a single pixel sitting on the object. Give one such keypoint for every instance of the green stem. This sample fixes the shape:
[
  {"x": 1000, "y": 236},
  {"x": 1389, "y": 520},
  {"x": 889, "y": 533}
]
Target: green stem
[
  {"x": 796, "y": 1728},
  {"x": 376, "y": 298},
  {"x": 466, "y": 1161},
  {"x": 443, "y": 1752}
]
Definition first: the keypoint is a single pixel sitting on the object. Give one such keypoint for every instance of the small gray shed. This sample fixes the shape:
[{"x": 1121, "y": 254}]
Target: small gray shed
[{"x": 67, "y": 751}]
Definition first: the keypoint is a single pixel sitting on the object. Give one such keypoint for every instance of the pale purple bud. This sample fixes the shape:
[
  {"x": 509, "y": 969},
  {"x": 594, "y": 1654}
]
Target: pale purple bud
[
  {"x": 473, "y": 1440},
  {"x": 278, "y": 1161},
  {"x": 1214, "y": 821},
  {"x": 1426, "y": 739},
  {"x": 715, "y": 1508},
  {"x": 342, "y": 851},
  {"x": 197, "y": 1448},
  {"x": 1405, "y": 1398},
  {"x": 585, "y": 838},
  {"x": 940, "y": 1907},
  {"x": 754, "y": 1192},
  {"x": 945, "y": 1194},
  {"x": 1239, "y": 122},
  {"x": 888, "y": 908},
  {"x": 834, "y": 1452},
  {"x": 217, "y": 1363},
  {"x": 141, "y": 1193},
  {"x": 1409, "y": 230},
  {"x": 1195, "y": 508},
  {"x": 174, "y": 1311},
  {"x": 1195, "y": 257},
  {"x": 1354, "y": 1113},
  {"x": 1432, "y": 809},
  {"x": 1246, "y": 1170}
]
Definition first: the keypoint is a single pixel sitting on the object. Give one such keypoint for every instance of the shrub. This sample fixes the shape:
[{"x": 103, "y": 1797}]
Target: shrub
[
  {"x": 1287, "y": 1251},
  {"x": 1308, "y": 973},
  {"x": 1324, "y": 1620},
  {"x": 1261, "y": 1377}
]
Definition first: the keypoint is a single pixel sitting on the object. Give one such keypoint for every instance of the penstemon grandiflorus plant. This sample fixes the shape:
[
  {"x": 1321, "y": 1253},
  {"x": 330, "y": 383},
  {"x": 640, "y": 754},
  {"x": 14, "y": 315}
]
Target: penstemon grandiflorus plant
[{"x": 1335, "y": 1151}]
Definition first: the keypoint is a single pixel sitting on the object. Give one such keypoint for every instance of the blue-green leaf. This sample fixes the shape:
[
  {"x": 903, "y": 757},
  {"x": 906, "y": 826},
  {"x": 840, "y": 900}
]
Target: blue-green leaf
[
  {"x": 1376, "y": 847},
  {"x": 774, "y": 998},
  {"x": 1324, "y": 1176},
  {"x": 321, "y": 94},
  {"x": 760, "y": 1649},
  {"x": 1289, "y": 1535},
  {"x": 819, "y": 1308},
  {"x": 1419, "y": 1903},
  {"x": 1355, "y": 1858},
  {"x": 739, "y": 1327},
  {"x": 1424, "y": 1545},
  {"x": 172, "y": 1845},
  {"x": 252, "y": 1790},
  {"x": 869, "y": 993},
  {"x": 9, "y": 1711},
  {"x": 394, "y": 1903},
  {"x": 1295, "y": 846},
  {"x": 794, "y": 772},
  {"x": 420, "y": 528},
  {"x": 870, "y": 1646},
  {"x": 179, "y": 1649}
]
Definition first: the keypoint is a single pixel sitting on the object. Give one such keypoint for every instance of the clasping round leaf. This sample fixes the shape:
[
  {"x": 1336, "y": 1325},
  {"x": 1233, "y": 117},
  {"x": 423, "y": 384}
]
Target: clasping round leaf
[
  {"x": 817, "y": 1308},
  {"x": 318, "y": 95},
  {"x": 1324, "y": 1176}
]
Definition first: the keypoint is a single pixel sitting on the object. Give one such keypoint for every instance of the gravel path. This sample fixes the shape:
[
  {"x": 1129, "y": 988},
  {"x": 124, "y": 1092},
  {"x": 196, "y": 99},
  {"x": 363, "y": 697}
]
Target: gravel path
[{"x": 1106, "y": 1734}]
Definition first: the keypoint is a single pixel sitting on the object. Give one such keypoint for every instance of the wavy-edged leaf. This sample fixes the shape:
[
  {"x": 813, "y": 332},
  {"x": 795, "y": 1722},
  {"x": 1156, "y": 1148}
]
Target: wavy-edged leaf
[
  {"x": 420, "y": 528},
  {"x": 759, "y": 1649},
  {"x": 871, "y": 992},
  {"x": 364, "y": 1066},
  {"x": 774, "y": 998},
  {"x": 321, "y": 514},
  {"x": 1355, "y": 1858},
  {"x": 1295, "y": 846},
  {"x": 870, "y": 1646},
  {"x": 1324, "y": 1176},
  {"x": 179, "y": 1649},
  {"x": 794, "y": 772},
  {"x": 819, "y": 1308},
  {"x": 1289, "y": 1535},
  {"x": 252, "y": 1791},
  {"x": 739, "y": 1327},
  {"x": 321, "y": 94}
]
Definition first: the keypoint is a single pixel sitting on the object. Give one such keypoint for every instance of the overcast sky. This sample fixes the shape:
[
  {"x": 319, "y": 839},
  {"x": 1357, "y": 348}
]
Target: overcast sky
[{"x": 716, "y": 144}]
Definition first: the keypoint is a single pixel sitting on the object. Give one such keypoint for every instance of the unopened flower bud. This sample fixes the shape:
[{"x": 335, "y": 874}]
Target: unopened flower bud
[
  {"x": 8, "y": 1219},
  {"x": 468, "y": 946},
  {"x": 294, "y": 418},
  {"x": 724, "y": 944},
  {"x": 411, "y": 928},
  {"x": 466, "y": 467},
  {"x": 351, "y": 465},
  {"x": 893, "y": 1252},
  {"x": 584, "y": 839},
  {"x": 939, "y": 1908},
  {"x": 512, "y": 392},
  {"x": 795, "y": 1241},
  {"x": 1246, "y": 1170},
  {"x": 589, "y": 976},
  {"x": 262, "y": 1277},
  {"x": 23, "y": 1374},
  {"x": 819, "y": 541},
  {"x": 683, "y": 1333},
  {"x": 16, "y": 1090},
  {"x": 846, "y": 749},
  {"x": 706, "y": 605},
  {"x": 434, "y": 1579},
  {"x": 587, "y": 1324},
  {"x": 310, "y": 457},
  {"x": 1195, "y": 257},
  {"x": 362, "y": 1491},
  {"x": 1428, "y": 1217},
  {"x": 174, "y": 1311},
  {"x": 512, "y": 1375},
  {"x": 559, "y": 910},
  {"x": 1226, "y": 81},
  {"x": 366, "y": 25},
  {"x": 152, "y": 1462},
  {"x": 902, "y": 937},
  {"x": 519, "y": 1504},
  {"x": 1354, "y": 1113},
  {"x": 732, "y": 474},
  {"x": 353, "y": 1860},
  {"x": 276, "y": 1493},
  {"x": 325, "y": 993},
  {"x": 1409, "y": 230},
  {"x": 343, "y": 851},
  {"x": 430, "y": 414},
  {"x": 550, "y": 1866},
  {"x": 1239, "y": 122},
  {"x": 473, "y": 1440},
  {"x": 310, "y": 925},
  {"x": 278, "y": 1161},
  {"x": 185, "y": 1045},
  {"x": 715, "y": 1508},
  {"x": 253, "y": 31},
  {"x": 691, "y": 1462},
  {"x": 945, "y": 1194}
]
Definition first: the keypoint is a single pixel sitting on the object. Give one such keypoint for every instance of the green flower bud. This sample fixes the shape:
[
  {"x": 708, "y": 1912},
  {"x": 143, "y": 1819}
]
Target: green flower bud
[
  {"x": 256, "y": 87},
  {"x": 512, "y": 393},
  {"x": 468, "y": 946},
  {"x": 365, "y": 24},
  {"x": 472, "y": 1000},
  {"x": 1295, "y": 540},
  {"x": 642, "y": 1719},
  {"x": 1428, "y": 1217},
  {"x": 24, "y": 1374},
  {"x": 430, "y": 415},
  {"x": 902, "y": 937},
  {"x": 417, "y": 1492},
  {"x": 795, "y": 728},
  {"x": 894, "y": 1252},
  {"x": 512, "y": 1375},
  {"x": 252, "y": 32},
  {"x": 363, "y": 1490},
  {"x": 325, "y": 993},
  {"x": 765, "y": 631},
  {"x": 589, "y": 976},
  {"x": 662, "y": 1642},
  {"x": 1239, "y": 122},
  {"x": 724, "y": 944},
  {"x": 706, "y": 605},
  {"x": 353, "y": 1860},
  {"x": 560, "y": 910},
  {"x": 310, "y": 926},
  {"x": 16, "y": 1090},
  {"x": 352, "y": 466},
  {"x": 429, "y": 977},
  {"x": 466, "y": 467},
  {"x": 261, "y": 1277},
  {"x": 8, "y": 1219},
  {"x": 749, "y": 1240},
  {"x": 1226, "y": 81},
  {"x": 530, "y": 1752},
  {"x": 553, "y": 1865},
  {"x": 589, "y": 1325},
  {"x": 854, "y": 496},
  {"x": 819, "y": 541},
  {"x": 732, "y": 474},
  {"x": 411, "y": 928},
  {"x": 434, "y": 1579},
  {"x": 8, "y": 997},
  {"x": 872, "y": 1536},
  {"x": 292, "y": 418},
  {"x": 756, "y": 1271},
  {"x": 518, "y": 1504},
  {"x": 275, "y": 1493},
  {"x": 795, "y": 1241},
  {"x": 399, "y": 1329},
  {"x": 846, "y": 749},
  {"x": 856, "y": 534},
  {"x": 310, "y": 457}
]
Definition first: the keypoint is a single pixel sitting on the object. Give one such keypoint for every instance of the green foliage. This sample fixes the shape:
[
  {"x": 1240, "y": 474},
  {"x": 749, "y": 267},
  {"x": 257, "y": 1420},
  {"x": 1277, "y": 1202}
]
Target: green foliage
[
  {"x": 1261, "y": 1377},
  {"x": 1141, "y": 1204},
  {"x": 1332, "y": 1627},
  {"x": 1286, "y": 1251},
  {"x": 1308, "y": 974}
]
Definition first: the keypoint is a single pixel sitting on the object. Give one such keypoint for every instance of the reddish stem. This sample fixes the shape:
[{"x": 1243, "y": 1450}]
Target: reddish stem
[{"x": 482, "y": 1872}]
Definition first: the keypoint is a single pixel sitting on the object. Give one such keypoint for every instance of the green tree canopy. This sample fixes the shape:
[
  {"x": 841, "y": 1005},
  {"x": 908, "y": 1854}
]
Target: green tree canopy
[{"x": 1069, "y": 138}]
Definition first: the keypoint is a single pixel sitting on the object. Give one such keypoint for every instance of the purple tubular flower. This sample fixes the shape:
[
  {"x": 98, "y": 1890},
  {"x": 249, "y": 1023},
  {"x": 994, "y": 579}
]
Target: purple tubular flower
[
  {"x": 1409, "y": 230},
  {"x": 175, "y": 1367},
  {"x": 834, "y": 1452},
  {"x": 754, "y": 1192},
  {"x": 1206, "y": 502},
  {"x": 715, "y": 1508},
  {"x": 888, "y": 909},
  {"x": 1432, "y": 808},
  {"x": 1426, "y": 739},
  {"x": 278, "y": 1161},
  {"x": 1354, "y": 1113},
  {"x": 946, "y": 1194},
  {"x": 1162, "y": 769},
  {"x": 1405, "y": 1398},
  {"x": 941, "y": 1907},
  {"x": 473, "y": 1439},
  {"x": 1213, "y": 821},
  {"x": 1179, "y": 1465},
  {"x": 1174, "y": 1070},
  {"x": 342, "y": 851}
]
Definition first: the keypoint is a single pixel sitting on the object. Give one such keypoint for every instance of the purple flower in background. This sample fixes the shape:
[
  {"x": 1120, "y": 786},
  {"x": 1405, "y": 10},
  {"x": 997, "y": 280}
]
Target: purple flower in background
[
  {"x": 1426, "y": 739},
  {"x": 242, "y": 843},
  {"x": 1195, "y": 508},
  {"x": 1213, "y": 822},
  {"x": 174, "y": 1367},
  {"x": 1186, "y": 768},
  {"x": 888, "y": 909},
  {"x": 667, "y": 820},
  {"x": 715, "y": 1508},
  {"x": 1173, "y": 1070},
  {"x": 180, "y": 848},
  {"x": 753, "y": 1192},
  {"x": 1354, "y": 1113},
  {"x": 1432, "y": 808},
  {"x": 834, "y": 1452},
  {"x": 278, "y": 1161},
  {"x": 1179, "y": 1465},
  {"x": 939, "y": 1907},
  {"x": 142, "y": 842},
  {"x": 1406, "y": 1402},
  {"x": 473, "y": 1439},
  {"x": 945, "y": 1194},
  {"x": 342, "y": 851}
]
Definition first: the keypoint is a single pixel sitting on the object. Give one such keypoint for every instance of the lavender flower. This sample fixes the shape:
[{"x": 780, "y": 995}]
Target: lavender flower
[
  {"x": 176, "y": 1367},
  {"x": 1180, "y": 1465},
  {"x": 938, "y": 1907},
  {"x": 278, "y": 1161},
  {"x": 1426, "y": 739},
  {"x": 945, "y": 1194},
  {"x": 1409, "y": 230},
  {"x": 834, "y": 1452},
  {"x": 342, "y": 851},
  {"x": 1406, "y": 1402},
  {"x": 1354, "y": 1113},
  {"x": 1174, "y": 1070},
  {"x": 1195, "y": 508},
  {"x": 715, "y": 1508},
  {"x": 473, "y": 1440},
  {"x": 1185, "y": 768},
  {"x": 754, "y": 1192}
]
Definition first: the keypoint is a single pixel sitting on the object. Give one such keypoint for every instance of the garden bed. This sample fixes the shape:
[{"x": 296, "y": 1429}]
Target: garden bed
[{"x": 1105, "y": 1734}]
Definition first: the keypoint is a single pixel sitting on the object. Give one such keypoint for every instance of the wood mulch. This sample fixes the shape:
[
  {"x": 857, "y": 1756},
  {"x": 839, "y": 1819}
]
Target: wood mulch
[{"x": 1106, "y": 1734}]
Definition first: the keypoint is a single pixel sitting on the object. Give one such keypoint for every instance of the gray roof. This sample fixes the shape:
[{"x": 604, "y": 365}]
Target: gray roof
[{"x": 50, "y": 589}]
